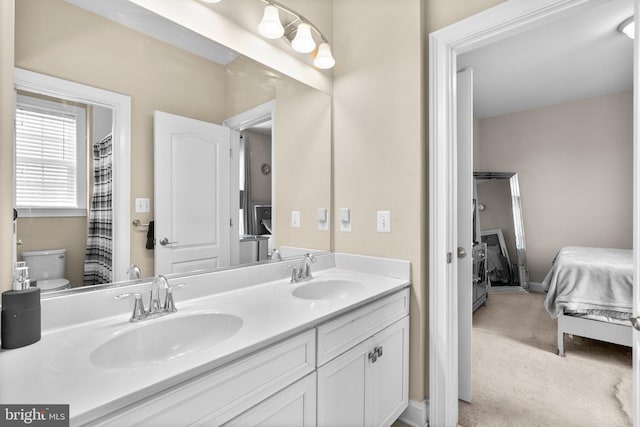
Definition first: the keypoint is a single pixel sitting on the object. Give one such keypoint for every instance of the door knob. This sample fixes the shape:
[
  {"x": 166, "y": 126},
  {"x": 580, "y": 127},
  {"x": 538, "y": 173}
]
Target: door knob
[
  {"x": 461, "y": 252},
  {"x": 635, "y": 321},
  {"x": 165, "y": 242}
]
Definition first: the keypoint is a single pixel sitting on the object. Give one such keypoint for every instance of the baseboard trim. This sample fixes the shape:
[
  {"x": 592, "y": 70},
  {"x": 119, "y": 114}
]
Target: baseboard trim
[
  {"x": 416, "y": 414},
  {"x": 537, "y": 287}
]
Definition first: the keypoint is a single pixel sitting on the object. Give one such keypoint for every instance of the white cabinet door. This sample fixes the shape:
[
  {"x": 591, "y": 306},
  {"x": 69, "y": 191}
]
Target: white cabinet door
[
  {"x": 390, "y": 374},
  {"x": 294, "y": 406},
  {"x": 342, "y": 388},
  {"x": 359, "y": 389}
]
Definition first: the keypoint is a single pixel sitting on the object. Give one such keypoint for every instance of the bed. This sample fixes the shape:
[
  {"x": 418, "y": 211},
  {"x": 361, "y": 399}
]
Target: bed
[{"x": 590, "y": 292}]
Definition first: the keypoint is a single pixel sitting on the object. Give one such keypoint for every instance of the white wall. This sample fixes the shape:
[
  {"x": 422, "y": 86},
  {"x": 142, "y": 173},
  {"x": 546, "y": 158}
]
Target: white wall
[{"x": 575, "y": 167}]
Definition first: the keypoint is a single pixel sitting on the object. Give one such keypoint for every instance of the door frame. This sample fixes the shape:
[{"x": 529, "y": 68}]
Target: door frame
[
  {"x": 121, "y": 105},
  {"x": 237, "y": 124},
  {"x": 500, "y": 22}
]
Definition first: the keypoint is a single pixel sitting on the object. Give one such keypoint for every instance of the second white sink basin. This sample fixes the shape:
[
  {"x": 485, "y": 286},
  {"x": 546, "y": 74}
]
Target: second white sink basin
[
  {"x": 165, "y": 339},
  {"x": 327, "y": 289}
]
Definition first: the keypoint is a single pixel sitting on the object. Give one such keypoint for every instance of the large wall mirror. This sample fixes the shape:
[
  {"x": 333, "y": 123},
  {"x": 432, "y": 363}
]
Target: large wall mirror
[
  {"x": 499, "y": 224},
  {"x": 280, "y": 162}
]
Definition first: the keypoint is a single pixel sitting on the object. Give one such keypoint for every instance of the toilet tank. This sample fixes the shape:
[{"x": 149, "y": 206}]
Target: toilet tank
[{"x": 48, "y": 264}]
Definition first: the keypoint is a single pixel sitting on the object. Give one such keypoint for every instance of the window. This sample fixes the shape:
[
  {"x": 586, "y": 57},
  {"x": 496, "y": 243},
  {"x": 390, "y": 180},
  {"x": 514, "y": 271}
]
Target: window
[{"x": 50, "y": 158}]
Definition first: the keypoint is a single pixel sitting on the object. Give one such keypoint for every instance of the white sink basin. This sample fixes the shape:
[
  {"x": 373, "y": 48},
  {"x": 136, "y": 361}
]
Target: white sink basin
[
  {"x": 327, "y": 289},
  {"x": 165, "y": 339}
]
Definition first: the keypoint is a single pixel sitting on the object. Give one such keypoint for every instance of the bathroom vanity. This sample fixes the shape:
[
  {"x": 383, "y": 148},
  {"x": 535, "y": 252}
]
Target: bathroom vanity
[{"x": 246, "y": 346}]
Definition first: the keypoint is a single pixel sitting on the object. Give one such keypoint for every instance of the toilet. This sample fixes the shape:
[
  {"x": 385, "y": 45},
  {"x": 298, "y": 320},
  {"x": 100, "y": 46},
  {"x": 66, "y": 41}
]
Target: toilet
[{"x": 47, "y": 269}]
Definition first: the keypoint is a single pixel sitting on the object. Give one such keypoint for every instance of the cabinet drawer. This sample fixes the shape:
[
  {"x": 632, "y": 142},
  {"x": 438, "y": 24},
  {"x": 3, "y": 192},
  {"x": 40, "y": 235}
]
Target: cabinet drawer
[
  {"x": 339, "y": 335},
  {"x": 217, "y": 397}
]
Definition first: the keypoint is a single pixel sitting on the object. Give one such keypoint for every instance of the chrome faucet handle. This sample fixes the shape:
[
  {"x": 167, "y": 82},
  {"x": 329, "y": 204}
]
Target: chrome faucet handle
[
  {"x": 169, "y": 303},
  {"x": 138, "y": 307}
]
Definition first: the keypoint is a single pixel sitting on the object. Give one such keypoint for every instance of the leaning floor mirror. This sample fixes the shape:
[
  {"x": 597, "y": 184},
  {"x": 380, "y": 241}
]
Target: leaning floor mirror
[{"x": 499, "y": 223}]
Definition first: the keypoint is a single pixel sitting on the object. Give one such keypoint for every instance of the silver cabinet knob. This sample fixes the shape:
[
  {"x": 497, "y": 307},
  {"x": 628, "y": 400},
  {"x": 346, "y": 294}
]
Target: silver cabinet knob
[{"x": 635, "y": 321}]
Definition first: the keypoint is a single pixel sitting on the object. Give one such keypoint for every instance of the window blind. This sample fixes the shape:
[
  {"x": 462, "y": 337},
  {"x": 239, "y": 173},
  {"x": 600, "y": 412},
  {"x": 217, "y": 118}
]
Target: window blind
[{"x": 46, "y": 152}]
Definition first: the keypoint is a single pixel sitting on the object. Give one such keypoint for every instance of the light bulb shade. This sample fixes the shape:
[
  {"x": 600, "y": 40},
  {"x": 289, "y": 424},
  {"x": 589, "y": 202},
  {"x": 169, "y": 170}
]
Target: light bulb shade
[
  {"x": 303, "y": 42},
  {"x": 270, "y": 26},
  {"x": 323, "y": 58}
]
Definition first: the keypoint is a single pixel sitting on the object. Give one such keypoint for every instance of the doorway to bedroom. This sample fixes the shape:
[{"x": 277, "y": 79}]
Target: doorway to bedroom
[
  {"x": 564, "y": 127},
  {"x": 564, "y": 137}
]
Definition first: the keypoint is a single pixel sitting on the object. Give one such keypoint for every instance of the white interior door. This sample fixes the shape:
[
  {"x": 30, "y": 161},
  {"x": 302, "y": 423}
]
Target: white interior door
[
  {"x": 636, "y": 217},
  {"x": 465, "y": 230},
  {"x": 191, "y": 193}
]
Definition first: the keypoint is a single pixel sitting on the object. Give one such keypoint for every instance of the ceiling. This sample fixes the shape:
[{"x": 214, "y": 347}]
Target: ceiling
[{"x": 575, "y": 57}]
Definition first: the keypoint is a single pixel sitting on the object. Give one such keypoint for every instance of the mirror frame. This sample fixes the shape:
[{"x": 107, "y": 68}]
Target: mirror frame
[
  {"x": 121, "y": 105},
  {"x": 518, "y": 226},
  {"x": 237, "y": 124}
]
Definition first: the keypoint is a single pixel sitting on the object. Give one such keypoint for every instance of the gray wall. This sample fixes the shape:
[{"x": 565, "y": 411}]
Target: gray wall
[{"x": 574, "y": 163}]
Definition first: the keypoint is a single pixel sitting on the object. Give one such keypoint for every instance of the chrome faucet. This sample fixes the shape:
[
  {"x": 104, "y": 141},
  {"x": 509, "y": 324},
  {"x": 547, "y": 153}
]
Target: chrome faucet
[
  {"x": 303, "y": 270},
  {"x": 156, "y": 307},
  {"x": 274, "y": 254},
  {"x": 134, "y": 272},
  {"x": 159, "y": 283}
]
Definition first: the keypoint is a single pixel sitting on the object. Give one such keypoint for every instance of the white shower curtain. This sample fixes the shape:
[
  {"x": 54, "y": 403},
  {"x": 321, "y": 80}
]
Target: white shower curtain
[{"x": 97, "y": 264}]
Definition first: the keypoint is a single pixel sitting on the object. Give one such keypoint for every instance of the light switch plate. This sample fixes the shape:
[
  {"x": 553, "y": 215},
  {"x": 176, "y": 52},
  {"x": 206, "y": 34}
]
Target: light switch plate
[
  {"x": 295, "y": 219},
  {"x": 143, "y": 205},
  {"x": 323, "y": 219},
  {"x": 322, "y": 215},
  {"x": 383, "y": 222},
  {"x": 345, "y": 219}
]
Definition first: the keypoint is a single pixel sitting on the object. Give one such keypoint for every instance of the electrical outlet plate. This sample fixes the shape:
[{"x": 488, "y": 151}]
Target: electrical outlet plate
[{"x": 383, "y": 221}]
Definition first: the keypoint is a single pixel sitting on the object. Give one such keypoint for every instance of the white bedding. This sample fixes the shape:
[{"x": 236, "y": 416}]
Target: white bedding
[{"x": 591, "y": 281}]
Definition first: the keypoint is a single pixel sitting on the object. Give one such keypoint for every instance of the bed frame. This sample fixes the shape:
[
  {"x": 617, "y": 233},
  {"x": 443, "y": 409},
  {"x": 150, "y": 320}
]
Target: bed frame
[{"x": 595, "y": 329}]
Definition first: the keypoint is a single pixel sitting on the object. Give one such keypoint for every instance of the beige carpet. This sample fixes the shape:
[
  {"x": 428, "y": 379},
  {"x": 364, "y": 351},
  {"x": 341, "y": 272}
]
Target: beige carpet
[{"x": 518, "y": 380}]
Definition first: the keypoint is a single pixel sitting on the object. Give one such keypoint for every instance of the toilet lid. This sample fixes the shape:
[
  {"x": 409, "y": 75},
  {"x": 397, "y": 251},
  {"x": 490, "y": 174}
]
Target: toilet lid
[{"x": 52, "y": 284}]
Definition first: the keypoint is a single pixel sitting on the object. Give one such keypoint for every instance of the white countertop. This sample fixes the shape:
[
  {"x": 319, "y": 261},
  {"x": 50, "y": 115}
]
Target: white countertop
[{"x": 58, "y": 369}]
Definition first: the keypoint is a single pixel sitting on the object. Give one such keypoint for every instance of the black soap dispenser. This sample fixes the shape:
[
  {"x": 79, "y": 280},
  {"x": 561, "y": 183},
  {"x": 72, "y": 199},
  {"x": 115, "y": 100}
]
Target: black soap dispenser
[{"x": 21, "y": 319}]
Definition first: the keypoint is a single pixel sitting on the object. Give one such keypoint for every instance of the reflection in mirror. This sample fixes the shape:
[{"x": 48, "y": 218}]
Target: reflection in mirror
[
  {"x": 68, "y": 193},
  {"x": 63, "y": 167},
  {"x": 499, "y": 223},
  {"x": 56, "y": 38}
]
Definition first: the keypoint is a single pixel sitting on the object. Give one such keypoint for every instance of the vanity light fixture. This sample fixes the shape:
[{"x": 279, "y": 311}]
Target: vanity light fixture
[
  {"x": 628, "y": 27},
  {"x": 298, "y": 32}
]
